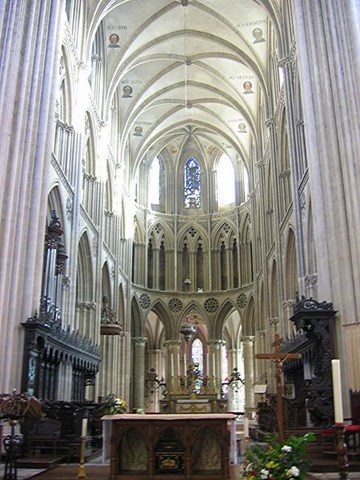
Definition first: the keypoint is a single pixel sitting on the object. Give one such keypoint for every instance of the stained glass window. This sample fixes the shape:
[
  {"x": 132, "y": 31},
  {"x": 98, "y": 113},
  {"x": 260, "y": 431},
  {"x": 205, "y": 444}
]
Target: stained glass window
[{"x": 192, "y": 184}]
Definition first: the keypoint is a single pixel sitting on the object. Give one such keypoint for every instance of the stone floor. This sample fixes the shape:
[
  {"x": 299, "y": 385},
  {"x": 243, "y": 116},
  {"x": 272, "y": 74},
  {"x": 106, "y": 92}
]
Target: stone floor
[{"x": 93, "y": 468}]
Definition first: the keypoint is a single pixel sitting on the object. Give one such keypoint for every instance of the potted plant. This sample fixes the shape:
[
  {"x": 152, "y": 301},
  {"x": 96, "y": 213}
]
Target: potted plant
[
  {"x": 114, "y": 405},
  {"x": 278, "y": 461}
]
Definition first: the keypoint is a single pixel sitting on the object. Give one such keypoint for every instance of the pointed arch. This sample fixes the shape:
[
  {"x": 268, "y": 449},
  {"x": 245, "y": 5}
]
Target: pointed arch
[
  {"x": 137, "y": 324},
  {"x": 159, "y": 325},
  {"x": 85, "y": 313},
  {"x": 106, "y": 283},
  {"x": 274, "y": 300},
  {"x": 121, "y": 307},
  {"x": 249, "y": 318},
  {"x": 285, "y": 169},
  {"x": 225, "y": 181},
  {"x": 291, "y": 277},
  {"x": 65, "y": 102},
  {"x": 246, "y": 252},
  {"x": 193, "y": 255},
  {"x": 154, "y": 328}
]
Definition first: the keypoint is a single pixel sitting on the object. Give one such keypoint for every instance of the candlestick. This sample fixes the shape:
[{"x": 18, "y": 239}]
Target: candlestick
[
  {"x": 337, "y": 392},
  {"x": 82, "y": 473},
  {"x": 341, "y": 448}
]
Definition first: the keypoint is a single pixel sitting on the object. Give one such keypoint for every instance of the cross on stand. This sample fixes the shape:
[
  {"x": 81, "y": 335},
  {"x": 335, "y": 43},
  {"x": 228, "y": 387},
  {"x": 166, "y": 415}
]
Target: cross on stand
[{"x": 279, "y": 358}]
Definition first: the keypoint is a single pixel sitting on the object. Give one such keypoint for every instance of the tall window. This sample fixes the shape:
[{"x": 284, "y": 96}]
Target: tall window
[
  {"x": 197, "y": 354},
  {"x": 225, "y": 181},
  {"x": 154, "y": 182},
  {"x": 192, "y": 184}
]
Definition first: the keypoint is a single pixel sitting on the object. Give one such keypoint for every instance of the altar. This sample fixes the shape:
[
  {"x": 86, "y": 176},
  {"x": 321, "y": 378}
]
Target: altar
[{"x": 169, "y": 446}]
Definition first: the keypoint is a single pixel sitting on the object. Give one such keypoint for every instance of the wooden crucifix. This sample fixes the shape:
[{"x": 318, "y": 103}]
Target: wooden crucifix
[{"x": 279, "y": 358}]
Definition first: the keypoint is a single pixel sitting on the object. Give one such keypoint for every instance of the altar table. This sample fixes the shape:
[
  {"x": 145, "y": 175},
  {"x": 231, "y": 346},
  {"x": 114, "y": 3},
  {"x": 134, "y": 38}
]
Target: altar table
[{"x": 169, "y": 446}]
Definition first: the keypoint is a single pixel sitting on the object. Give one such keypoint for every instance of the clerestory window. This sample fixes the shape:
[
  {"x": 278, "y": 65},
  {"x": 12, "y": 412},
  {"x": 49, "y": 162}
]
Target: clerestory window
[
  {"x": 192, "y": 188},
  {"x": 154, "y": 182},
  {"x": 225, "y": 182}
]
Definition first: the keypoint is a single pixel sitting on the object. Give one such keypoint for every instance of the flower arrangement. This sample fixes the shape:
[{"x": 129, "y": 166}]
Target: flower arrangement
[
  {"x": 278, "y": 461},
  {"x": 113, "y": 405}
]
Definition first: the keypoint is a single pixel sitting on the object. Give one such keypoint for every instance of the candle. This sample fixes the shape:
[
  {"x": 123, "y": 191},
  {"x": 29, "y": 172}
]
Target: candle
[
  {"x": 337, "y": 393},
  {"x": 84, "y": 427},
  {"x": 246, "y": 427}
]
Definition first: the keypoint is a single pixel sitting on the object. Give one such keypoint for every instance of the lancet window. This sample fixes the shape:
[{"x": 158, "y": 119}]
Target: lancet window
[{"x": 192, "y": 187}]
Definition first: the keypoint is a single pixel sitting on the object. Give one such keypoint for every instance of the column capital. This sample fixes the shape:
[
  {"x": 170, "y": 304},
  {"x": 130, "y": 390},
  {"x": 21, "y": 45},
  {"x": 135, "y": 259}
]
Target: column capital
[
  {"x": 139, "y": 340},
  {"x": 288, "y": 60},
  {"x": 289, "y": 303},
  {"x": 260, "y": 164},
  {"x": 248, "y": 338},
  {"x": 311, "y": 280},
  {"x": 270, "y": 122},
  {"x": 216, "y": 343},
  {"x": 274, "y": 321},
  {"x": 172, "y": 343}
]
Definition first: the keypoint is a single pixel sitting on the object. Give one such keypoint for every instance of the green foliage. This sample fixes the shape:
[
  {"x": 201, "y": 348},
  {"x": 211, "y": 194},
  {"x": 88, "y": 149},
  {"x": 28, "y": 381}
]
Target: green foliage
[
  {"x": 114, "y": 405},
  {"x": 278, "y": 461}
]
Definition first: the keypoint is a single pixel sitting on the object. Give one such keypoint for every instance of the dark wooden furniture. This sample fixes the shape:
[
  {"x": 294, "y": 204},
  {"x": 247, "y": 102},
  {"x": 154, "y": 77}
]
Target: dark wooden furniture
[
  {"x": 169, "y": 447},
  {"x": 45, "y": 436}
]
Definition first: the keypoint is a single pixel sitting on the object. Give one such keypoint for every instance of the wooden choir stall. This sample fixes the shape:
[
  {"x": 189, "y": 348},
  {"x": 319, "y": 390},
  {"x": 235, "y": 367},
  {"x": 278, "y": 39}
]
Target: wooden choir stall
[{"x": 169, "y": 446}]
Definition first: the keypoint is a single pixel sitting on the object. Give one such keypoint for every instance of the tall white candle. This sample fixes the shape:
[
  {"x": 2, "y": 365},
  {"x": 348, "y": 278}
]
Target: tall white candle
[
  {"x": 337, "y": 392},
  {"x": 246, "y": 427},
  {"x": 84, "y": 427}
]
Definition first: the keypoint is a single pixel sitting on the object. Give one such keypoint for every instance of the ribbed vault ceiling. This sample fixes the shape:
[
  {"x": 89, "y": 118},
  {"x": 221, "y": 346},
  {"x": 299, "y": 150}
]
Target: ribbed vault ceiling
[{"x": 178, "y": 70}]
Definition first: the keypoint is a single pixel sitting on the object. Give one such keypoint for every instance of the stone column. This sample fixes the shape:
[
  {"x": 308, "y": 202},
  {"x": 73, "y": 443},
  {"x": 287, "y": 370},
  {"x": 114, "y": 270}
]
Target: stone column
[
  {"x": 139, "y": 372},
  {"x": 27, "y": 112},
  {"x": 248, "y": 346},
  {"x": 236, "y": 397},
  {"x": 288, "y": 313},
  {"x": 288, "y": 66},
  {"x": 271, "y": 124},
  {"x": 328, "y": 53},
  {"x": 110, "y": 366},
  {"x": 68, "y": 382},
  {"x": 153, "y": 392}
]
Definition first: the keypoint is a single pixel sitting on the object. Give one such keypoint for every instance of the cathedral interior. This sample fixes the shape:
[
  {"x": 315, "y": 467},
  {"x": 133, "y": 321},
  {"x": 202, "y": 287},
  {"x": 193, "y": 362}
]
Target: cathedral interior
[{"x": 179, "y": 187}]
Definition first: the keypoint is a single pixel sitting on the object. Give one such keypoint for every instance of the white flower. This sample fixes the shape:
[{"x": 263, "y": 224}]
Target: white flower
[
  {"x": 286, "y": 449},
  {"x": 264, "y": 474},
  {"x": 294, "y": 471}
]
